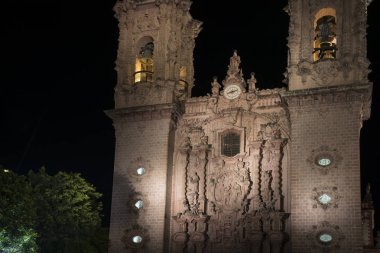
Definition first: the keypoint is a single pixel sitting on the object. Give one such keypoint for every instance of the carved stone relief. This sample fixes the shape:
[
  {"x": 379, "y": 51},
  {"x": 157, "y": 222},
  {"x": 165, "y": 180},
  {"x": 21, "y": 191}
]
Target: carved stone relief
[{"x": 236, "y": 202}]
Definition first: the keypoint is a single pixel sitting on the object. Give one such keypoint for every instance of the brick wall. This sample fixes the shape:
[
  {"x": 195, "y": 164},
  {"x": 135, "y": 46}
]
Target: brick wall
[
  {"x": 336, "y": 125},
  {"x": 148, "y": 142}
]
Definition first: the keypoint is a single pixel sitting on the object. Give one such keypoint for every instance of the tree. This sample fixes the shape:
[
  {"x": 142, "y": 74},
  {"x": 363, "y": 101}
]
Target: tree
[
  {"x": 68, "y": 214},
  {"x": 17, "y": 214}
]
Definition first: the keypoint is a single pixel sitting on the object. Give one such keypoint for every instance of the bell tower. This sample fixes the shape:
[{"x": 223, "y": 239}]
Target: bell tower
[
  {"x": 154, "y": 76},
  {"x": 328, "y": 98},
  {"x": 155, "y": 56},
  {"x": 327, "y": 43}
]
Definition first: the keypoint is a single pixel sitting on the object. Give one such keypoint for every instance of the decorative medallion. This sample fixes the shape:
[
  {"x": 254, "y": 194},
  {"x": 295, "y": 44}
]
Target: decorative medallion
[
  {"x": 137, "y": 203},
  {"x": 325, "y": 197},
  {"x": 325, "y": 235},
  {"x": 139, "y": 168},
  {"x": 135, "y": 238},
  {"x": 324, "y": 159}
]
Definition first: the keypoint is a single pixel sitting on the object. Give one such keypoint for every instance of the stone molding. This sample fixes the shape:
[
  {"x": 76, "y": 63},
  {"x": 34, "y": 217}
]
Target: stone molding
[{"x": 145, "y": 113}]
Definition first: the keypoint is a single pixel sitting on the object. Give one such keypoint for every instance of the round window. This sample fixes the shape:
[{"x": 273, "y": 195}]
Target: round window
[
  {"x": 324, "y": 161},
  {"x": 139, "y": 204},
  {"x": 140, "y": 171},
  {"x": 325, "y": 238},
  {"x": 137, "y": 239},
  {"x": 324, "y": 199}
]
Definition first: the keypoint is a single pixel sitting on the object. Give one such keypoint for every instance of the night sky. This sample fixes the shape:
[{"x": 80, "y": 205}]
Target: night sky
[{"x": 57, "y": 78}]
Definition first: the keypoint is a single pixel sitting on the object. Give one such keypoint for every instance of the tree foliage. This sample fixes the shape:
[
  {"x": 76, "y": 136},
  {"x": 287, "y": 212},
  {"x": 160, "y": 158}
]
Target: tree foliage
[
  {"x": 61, "y": 213},
  {"x": 17, "y": 214}
]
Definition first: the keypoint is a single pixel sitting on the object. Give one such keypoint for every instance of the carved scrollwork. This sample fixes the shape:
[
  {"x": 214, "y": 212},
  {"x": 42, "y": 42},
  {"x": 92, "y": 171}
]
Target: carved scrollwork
[{"x": 146, "y": 22}]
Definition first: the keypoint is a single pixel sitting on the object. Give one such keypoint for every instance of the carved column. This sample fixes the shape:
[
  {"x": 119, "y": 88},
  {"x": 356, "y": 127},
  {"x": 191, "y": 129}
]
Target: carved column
[
  {"x": 255, "y": 174},
  {"x": 276, "y": 174},
  {"x": 266, "y": 175},
  {"x": 180, "y": 238},
  {"x": 198, "y": 237},
  {"x": 277, "y": 236},
  {"x": 255, "y": 234}
]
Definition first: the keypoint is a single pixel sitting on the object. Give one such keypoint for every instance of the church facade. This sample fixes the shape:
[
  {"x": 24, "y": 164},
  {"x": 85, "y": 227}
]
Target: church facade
[{"x": 242, "y": 169}]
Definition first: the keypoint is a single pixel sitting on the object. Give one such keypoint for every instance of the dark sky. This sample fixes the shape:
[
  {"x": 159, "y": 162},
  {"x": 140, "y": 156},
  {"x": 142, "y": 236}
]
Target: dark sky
[{"x": 57, "y": 78}]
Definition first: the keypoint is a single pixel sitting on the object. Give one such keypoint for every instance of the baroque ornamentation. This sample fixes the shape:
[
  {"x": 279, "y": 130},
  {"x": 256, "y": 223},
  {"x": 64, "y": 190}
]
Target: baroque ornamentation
[
  {"x": 137, "y": 203},
  {"x": 139, "y": 168},
  {"x": 146, "y": 22},
  {"x": 135, "y": 237},
  {"x": 324, "y": 159},
  {"x": 325, "y": 235},
  {"x": 325, "y": 197}
]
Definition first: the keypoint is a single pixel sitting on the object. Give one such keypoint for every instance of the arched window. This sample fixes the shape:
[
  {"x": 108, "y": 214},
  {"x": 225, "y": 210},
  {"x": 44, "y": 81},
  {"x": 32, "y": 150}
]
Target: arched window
[
  {"x": 325, "y": 41},
  {"x": 230, "y": 144},
  {"x": 182, "y": 85},
  {"x": 144, "y": 60}
]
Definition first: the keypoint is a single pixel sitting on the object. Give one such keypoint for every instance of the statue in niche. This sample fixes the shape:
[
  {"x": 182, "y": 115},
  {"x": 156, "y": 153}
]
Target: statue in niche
[
  {"x": 193, "y": 192},
  {"x": 215, "y": 86}
]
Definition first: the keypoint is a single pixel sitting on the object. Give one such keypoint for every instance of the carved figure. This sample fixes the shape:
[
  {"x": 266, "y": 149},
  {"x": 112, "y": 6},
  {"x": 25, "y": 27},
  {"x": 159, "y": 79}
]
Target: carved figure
[
  {"x": 233, "y": 68},
  {"x": 215, "y": 86},
  {"x": 252, "y": 82}
]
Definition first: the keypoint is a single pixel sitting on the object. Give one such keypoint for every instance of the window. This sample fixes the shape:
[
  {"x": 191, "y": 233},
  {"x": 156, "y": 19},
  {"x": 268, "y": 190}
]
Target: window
[
  {"x": 144, "y": 60},
  {"x": 230, "y": 144},
  {"x": 324, "y": 199},
  {"x": 325, "y": 238},
  {"x": 137, "y": 239},
  {"x": 325, "y": 41},
  {"x": 140, "y": 171}
]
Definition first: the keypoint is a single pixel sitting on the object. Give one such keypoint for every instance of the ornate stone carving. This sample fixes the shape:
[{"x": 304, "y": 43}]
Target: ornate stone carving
[
  {"x": 325, "y": 72},
  {"x": 139, "y": 169},
  {"x": 325, "y": 235},
  {"x": 135, "y": 237},
  {"x": 324, "y": 159},
  {"x": 325, "y": 197},
  {"x": 146, "y": 22},
  {"x": 137, "y": 203},
  {"x": 229, "y": 186}
]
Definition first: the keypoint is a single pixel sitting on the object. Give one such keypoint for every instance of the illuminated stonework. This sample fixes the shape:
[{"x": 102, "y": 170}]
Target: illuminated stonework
[{"x": 291, "y": 148}]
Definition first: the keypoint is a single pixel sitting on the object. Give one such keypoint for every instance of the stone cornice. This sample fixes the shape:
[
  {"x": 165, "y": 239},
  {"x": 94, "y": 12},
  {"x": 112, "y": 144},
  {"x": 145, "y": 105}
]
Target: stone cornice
[
  {"x": 328, "y": 95},
  {"x": 144, "y": 113}
]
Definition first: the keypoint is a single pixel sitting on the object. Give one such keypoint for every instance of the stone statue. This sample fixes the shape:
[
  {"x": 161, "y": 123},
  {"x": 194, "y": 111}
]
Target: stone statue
[
  {"x": 252, "y": 82},
  {"x": 215, "y": 86},
  {"x": 233, "y": 68}
]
